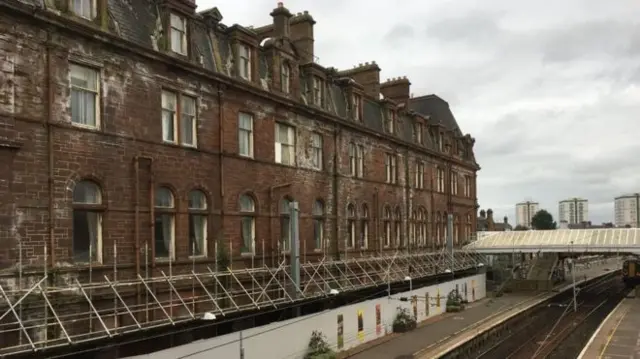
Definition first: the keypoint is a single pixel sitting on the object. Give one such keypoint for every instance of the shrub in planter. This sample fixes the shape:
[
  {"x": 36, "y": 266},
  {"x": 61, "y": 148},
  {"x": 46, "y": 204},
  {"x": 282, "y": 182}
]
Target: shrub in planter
[
  {"x": 318, "y": 347},
  {"x": 455, "y": 302},
  {"x": 404, "y": 321}
]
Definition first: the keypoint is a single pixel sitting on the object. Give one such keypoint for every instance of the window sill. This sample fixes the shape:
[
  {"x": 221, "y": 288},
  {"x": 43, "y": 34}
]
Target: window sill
[
  {"x": 86, "y": 127},
  {"x": 317, "y": 250},
  {"x": 245, "y": 155},
  {"x": 198, "y": 256},
  {"x": 165, "y": 260},
  {"x": 247, "y": 254}
]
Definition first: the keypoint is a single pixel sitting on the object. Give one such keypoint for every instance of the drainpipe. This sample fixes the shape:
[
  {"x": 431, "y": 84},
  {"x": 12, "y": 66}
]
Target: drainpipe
[
  {"x": 376, "y": 218},
  {"x": 336, "y": 190},
  {"x": 136, "y": 161},
  {"x": 221, "y": 89},
  {"x": 49, "y": 116}
]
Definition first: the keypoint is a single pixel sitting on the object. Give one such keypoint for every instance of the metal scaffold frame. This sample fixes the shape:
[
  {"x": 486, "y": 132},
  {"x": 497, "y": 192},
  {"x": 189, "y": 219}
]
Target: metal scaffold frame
[{"x": 41, "y": 317}]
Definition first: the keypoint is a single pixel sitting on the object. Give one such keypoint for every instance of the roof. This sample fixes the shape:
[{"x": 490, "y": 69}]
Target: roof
[
  {"x": 437, "y": 109},
  {"x": 599, "y": 240},
  {"x": 138, "y": 22}
]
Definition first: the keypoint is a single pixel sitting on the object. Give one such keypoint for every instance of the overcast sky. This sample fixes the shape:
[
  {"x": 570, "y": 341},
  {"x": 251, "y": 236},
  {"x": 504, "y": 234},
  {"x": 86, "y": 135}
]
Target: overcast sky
[{"x": 549, "y": 89}]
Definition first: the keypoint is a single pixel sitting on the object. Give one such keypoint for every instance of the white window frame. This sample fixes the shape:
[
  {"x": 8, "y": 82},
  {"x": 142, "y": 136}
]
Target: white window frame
[
  {"x": 87, "y": 9},
  {"x": 360, "y": 161},
  {"x": 169, "y": 108},
  {"x": 440, "y": 179},
  {"x": 99, "y": 215},
  {"x": 244, "y": 61},
  {"x": 285, "y": 78},
  {"x": 316, "y": 151},
  {"x": 200, "y": 212},
  {"x": 172, "y": 218},
  {"x": 317, "y": 91},
  {"x": 419, "y": 137},
  {"x": 247, "y": 132},
  {"x": 285, "y": 145},
  {"x": 390, "y": 127},
  {"x": 250, "y": 215},
  {"x": 178, "y": 26},
  {"x": 357, "y": 107},
  {"x": 419, "y": 176},
  {"x": 454, "y": 183},
  {"x": 193, "y": 117},
  {"x": 391, "y": 168},
  {"x": 353, "y": 159},
  {"x": 95, "y": 91}
]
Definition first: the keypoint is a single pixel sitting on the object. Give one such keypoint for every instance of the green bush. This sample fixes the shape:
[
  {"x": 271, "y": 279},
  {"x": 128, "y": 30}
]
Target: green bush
[
  {"x": 404, "y": 321},
  {"x": 318, "y": 347}
]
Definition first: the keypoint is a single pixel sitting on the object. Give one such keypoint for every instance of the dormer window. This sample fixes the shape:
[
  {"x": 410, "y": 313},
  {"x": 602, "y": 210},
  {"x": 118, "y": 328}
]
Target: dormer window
[
  {"x": 85, "y": 8},
  {"x": 418, "y": 131},
  {"x": 178, "y": 34},
  {"x": 244, "y": 61},
  {"x": 357, "y": 107},
  {"x": 317, "y": 91},
  {"x": 390, "y": 125},
  {"x": 285, "y": 78}
]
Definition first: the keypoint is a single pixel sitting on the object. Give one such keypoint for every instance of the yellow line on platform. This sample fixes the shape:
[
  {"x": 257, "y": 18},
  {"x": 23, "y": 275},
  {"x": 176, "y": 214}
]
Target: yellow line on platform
[{"x": 615, "y": 328}]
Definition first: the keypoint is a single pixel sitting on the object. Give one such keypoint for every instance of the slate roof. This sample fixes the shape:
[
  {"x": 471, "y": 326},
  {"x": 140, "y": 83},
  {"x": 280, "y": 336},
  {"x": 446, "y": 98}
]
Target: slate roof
[
  {"x": 138, "y": 21},
  {"x": 438, "y": 109}
]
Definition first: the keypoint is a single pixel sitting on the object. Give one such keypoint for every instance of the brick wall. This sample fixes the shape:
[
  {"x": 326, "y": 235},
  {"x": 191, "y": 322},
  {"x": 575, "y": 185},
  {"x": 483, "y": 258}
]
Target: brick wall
[{"x": 130, "y": 129}]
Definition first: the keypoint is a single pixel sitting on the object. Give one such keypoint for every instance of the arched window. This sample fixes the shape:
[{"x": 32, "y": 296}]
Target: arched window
[
  {"x": 285, "y": 224},
  {"x": 412, "y": 229},
  {"x": 422, "y": 227},
  {"x": 386, "y": 217},
  {"x": 445, "y": 227},
  {"x": 318, "y": 224},
  {"x": 351, "y": 225},
  {"x": 165, "y": 230},
  {"x": 364, "y": 232},
  {"x": 247, "y": 208},
  {"x": 197, "y": 223},
  {"x": 87, "y": 222},
  {"x": 438, "y": 229},
  {"x": 468, "y": 233},
  {"x": 397, "y": 224}
]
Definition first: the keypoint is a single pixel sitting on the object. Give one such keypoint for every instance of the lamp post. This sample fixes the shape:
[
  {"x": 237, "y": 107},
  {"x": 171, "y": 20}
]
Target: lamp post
[{"x": 573, "y": 278}]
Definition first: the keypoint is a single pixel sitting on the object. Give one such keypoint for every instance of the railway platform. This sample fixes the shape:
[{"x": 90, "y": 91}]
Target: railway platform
[
  {"x": 437, "y": 336},
  {"x": 618, "y": 336}
]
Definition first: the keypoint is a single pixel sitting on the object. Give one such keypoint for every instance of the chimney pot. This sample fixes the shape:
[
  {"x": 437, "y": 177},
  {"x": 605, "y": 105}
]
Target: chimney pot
[
  {"x": 306, "y": 12},
  {"x": 280, "y": 4},
  {"x": 367, "y": 63},
  {"x": 374, "y": 62},
  {"x": 299, "y": 14}
]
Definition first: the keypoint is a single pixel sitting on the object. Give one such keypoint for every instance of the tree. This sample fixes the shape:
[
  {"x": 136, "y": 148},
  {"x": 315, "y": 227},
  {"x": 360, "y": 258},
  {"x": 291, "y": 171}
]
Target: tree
[
  {"x": 543, "y": 220},
  {"x": 521, "y": 228}
]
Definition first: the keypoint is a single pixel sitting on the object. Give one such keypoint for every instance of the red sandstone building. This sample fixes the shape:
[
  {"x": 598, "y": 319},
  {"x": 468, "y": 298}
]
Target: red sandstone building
[{"x": 158, "y": 128}]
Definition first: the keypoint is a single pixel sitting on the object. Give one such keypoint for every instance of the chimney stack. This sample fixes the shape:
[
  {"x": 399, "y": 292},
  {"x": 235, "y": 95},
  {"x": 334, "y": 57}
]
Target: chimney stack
[
  {"x": 302, "y": 36},
  {"x": 281, "y": 16},
  {"x": 367, "y": 75},
  {"x": 397, "y": 89}
]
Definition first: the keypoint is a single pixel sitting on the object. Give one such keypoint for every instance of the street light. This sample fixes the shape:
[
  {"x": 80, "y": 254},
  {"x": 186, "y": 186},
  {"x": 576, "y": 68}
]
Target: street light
[
  {"x": 407, "y": 278},
  {"x": 209, "y": 316}
]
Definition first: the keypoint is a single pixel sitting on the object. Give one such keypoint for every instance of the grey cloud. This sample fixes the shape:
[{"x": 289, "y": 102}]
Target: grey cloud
[
  {"x": 400, "y": 32},
  {"x": 611, "y": 39}
]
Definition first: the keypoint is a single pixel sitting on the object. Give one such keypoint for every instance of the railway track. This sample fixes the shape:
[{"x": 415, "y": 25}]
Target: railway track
[{"x": 544, "y": 333}]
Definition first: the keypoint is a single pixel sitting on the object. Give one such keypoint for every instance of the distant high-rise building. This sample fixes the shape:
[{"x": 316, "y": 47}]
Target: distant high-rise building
[
  {"x": 627, "y": 210},
  {"x": 525, "y": 211},
  {"x": 573, "y": 210}
]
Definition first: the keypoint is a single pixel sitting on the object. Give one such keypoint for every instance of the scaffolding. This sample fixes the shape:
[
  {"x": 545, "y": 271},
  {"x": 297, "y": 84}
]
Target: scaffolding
[{"x": 40, "y": 316}]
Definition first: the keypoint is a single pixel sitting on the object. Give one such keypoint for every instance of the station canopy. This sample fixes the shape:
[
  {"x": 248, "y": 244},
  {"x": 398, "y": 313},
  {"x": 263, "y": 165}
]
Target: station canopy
[{"x": 601, "y": 240}]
